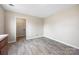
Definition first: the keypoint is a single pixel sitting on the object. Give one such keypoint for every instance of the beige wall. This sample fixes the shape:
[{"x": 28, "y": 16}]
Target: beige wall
[
  {"x": 34, "y": 26},
  {"x": 64, "y": 26},
  {"x": 1, "y": 21}
]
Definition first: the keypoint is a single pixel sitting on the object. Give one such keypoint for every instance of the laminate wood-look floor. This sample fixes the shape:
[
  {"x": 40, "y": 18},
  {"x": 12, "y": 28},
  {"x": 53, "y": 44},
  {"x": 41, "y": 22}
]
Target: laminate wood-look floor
[{"x": 40, "y": 46}]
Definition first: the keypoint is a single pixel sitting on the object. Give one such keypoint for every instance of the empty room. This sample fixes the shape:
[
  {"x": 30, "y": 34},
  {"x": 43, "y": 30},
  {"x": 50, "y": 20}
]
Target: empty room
[{"x": 39, "y": 29}]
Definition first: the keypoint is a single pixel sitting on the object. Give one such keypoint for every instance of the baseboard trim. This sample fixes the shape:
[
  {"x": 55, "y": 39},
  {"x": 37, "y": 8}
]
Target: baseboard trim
[
  {"x": 51, "y": 39},
  {"x": 62, "y": 42},
  {"x": 20, "y": 36},
  {"x": 33, "y": 37},
  {"x": 12, "y": 42}
]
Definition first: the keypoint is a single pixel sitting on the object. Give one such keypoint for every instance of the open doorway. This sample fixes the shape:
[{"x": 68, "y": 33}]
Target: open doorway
[{"x": 20, "y": 29}]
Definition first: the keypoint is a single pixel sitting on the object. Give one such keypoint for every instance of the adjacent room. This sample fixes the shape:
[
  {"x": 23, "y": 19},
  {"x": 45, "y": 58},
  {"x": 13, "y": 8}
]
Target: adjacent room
[
  {"x": 39, "y": 29},
  {"x": 20, "y": 28}
]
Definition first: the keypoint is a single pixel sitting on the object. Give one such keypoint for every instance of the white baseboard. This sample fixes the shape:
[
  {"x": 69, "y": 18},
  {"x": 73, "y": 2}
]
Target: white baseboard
[
  {"x": 11, "y": 41},
  {"x": 20, "y": 36},
  {"x": 33, "y": 37},
  {"x": 51, "y": 39},
  {"x": 62, "y": 42}
]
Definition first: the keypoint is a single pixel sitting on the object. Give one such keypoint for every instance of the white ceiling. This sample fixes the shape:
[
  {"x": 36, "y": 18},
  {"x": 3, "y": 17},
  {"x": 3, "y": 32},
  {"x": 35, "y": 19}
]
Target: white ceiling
[{"x": 39, "y": 10}]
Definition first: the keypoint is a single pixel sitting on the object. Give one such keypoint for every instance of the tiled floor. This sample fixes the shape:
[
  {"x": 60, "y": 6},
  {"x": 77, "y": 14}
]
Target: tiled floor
[{"x": 40, "y": 46}]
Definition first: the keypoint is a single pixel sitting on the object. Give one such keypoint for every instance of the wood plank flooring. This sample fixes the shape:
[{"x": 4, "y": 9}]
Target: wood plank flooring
[{"x": 40, "y": 46}]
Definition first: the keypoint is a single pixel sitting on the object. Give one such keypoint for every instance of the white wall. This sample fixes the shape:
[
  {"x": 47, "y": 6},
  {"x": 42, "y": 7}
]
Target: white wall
[
  {"x": 1, "y": 21},
  {"x": 64, "y": 26},
  {"x": 10, "y": 24},
  {"x": 34, "y": 26}
]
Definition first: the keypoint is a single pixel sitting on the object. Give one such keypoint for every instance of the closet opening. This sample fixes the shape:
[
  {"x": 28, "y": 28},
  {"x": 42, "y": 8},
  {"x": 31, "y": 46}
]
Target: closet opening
[{"x": 20, "y": 29}]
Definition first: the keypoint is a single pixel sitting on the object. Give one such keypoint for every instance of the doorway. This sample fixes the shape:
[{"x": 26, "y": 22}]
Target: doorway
[{"x": 20, "y": 29}]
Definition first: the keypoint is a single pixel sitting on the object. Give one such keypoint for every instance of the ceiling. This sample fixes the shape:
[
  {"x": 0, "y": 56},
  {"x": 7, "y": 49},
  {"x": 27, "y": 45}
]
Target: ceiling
[{"x": 39, "y": 10}]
